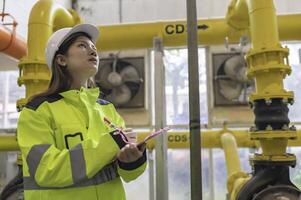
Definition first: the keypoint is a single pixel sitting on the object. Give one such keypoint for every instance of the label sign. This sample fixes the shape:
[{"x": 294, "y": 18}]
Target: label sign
[
  {"x": 171, "y": 29},
  {"x": 175, "y": 29},
  {"x": 178, "y": 138}
]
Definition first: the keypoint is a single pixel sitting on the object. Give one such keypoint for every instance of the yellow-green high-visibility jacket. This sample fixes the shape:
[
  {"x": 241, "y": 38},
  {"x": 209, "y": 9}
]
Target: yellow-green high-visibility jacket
[{"x": 69, "y": 152}]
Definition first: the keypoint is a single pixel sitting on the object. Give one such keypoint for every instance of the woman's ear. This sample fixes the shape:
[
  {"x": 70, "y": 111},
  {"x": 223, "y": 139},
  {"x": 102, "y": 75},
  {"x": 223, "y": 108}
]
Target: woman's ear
[{"x": 61, "y": 60}]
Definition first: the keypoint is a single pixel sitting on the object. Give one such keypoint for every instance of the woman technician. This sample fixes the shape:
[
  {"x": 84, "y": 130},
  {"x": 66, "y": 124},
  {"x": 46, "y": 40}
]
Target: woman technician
[{"x": 68, "y": 151}]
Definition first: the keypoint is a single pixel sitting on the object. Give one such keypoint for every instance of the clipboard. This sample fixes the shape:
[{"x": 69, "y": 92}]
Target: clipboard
[
  {"x": 147, "y": 138},
  {"x": 152, "y": 135}
]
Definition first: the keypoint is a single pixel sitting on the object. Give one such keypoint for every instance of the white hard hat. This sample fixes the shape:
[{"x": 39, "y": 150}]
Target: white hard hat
[{"x": 58, "y": 37}]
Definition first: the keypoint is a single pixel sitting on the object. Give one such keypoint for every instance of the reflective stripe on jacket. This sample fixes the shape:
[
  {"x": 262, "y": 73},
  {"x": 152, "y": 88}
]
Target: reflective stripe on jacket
[{"x": 69, "y": 152}]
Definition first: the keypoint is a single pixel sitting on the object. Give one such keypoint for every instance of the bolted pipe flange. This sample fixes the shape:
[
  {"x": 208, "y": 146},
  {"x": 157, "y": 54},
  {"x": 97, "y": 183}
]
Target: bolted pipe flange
[
  {"x": 253, "y": 129},
  {"x": 268, "y": 102},
  {"x": 291, "y": 101},
  {"x": 269, "y": 127},
  {"x": 285, "y": 127},
  {"x": 293, "y": 128},
  {"x": 285, "y": 101}
]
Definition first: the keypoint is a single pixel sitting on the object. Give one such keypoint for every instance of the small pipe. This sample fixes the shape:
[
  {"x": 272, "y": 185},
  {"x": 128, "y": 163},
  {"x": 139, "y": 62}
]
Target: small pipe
[{"x": 231, "y": 153}]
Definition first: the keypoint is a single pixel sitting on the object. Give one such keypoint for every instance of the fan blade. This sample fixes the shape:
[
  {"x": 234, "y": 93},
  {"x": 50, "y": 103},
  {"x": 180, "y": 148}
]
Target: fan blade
[
  {"x": 130, "y": 73},
  {"x": 133, "y": 86},
  {"x": 231, "y": 90},
  {"x": 102, "y": 76},
  {"x": 114, "y": 79},
  {"x": 120, "y": 95},
  {"x": 235, "y": 68}
]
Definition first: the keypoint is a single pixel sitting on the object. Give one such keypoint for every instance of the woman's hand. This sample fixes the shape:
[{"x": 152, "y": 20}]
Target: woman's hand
[
  {"x": 129, "y": 153},
  {"x": 130, "y": 135}
]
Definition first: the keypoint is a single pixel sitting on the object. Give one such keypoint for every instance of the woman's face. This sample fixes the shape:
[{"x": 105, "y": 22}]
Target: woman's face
[{"x": 81, "y": 58}]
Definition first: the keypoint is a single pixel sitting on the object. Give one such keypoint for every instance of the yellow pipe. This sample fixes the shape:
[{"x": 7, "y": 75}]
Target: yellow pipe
[
  {"x": 236, "y": 182},
  {"x": 45, "y": 18},
  {"x": 231, "y": 153},
  {"x": 235, "y": 176},
  {"x": 288, "y": 27},
  {"x": 173, "y": 33},
  {"x": 268, "y": 64},
  {"x": 264, "y": 27},
  {"x": 8, "y": 143},
  {"x": 180, "y": 140},
  {"x": 237, "y": 15}
]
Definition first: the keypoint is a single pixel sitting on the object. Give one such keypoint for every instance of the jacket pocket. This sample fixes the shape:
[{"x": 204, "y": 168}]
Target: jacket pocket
[{"x": 69, "y": 135}]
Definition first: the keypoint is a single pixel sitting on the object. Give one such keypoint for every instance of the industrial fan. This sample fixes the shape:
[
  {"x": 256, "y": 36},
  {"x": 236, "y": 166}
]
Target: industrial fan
[
  {"x": 120, "y": 81},
  {"x": 231, "y": 83}
]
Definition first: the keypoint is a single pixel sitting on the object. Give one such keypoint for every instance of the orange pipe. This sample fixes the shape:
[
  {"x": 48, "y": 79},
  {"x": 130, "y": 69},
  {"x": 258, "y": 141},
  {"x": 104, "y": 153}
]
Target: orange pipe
[{"x": 11, "y": 44}]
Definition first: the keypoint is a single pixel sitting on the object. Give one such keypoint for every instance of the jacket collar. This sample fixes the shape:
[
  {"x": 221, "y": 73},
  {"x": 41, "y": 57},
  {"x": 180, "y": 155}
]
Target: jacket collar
[{"x": 85, "y": 94}]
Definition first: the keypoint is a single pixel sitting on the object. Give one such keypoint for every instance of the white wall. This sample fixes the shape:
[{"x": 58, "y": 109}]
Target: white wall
[
  {"x": 102, "y": 12},
  {"x": 107, "y": 11},
  {"x": 290, "y": 6}
]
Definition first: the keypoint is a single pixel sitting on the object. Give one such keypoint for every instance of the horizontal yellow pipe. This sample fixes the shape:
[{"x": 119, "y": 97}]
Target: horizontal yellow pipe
[
  {"x": 173, "y": 33},
  {"x": 177, "y": 140},
  {"x": 8, "y": 143},
  {"x": 209, "y": 139}
]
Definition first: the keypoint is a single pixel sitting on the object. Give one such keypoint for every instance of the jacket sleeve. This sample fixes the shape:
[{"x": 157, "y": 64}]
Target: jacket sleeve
[
  {"x": 129, "y": 171},
  {"x": 52, "y": 167}
]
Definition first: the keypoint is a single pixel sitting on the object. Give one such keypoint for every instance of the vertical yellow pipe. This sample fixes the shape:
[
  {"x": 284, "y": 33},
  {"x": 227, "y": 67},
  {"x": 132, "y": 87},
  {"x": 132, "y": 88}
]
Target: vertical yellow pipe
[
  {"x": 263, "y": 21},
  {"x": 45, "y": 17},
  {"x": 266, "y": 53},
  {"x": 229, "y": 145},
  {"x": 267, "y": 62}
]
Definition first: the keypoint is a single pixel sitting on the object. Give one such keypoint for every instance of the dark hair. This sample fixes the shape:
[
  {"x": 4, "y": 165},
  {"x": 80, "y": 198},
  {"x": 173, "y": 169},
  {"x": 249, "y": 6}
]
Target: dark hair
[{"x": 61, "y": 79}]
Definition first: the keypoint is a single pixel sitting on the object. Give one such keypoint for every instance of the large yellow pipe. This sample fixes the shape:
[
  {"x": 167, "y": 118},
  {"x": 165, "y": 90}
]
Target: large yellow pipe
[
  {"x": 268, "y": 64},
  {"x": 133, "y": 36},
  {"x": 45, "y": 18},
  {"x": 173, "y": 33},
  {"x": 263, "y": 20}
]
